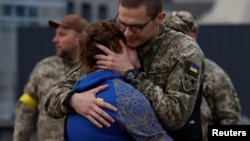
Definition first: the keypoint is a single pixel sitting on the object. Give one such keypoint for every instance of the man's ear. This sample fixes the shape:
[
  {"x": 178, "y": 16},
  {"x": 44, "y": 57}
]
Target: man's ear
[
  {"x": 193, "y": 35},
  {"x": 78, "y": 37},
  {"x": 160, "y": 17}
]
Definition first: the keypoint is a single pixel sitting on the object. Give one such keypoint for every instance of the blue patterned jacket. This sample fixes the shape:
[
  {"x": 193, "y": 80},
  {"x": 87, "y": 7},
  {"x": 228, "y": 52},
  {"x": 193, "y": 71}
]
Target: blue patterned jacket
[{"x": 135, "y": 119}]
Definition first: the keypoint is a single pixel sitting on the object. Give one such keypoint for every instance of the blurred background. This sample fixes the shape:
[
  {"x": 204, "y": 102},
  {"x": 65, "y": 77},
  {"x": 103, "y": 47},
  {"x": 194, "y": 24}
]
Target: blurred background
[{"x": 25, "y": 38}]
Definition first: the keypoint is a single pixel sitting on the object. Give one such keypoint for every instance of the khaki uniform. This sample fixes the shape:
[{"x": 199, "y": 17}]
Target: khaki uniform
[
  {"x": 220, "y": 104},
  {"x": 30, "y": 114},
  {"x": 170, "y": 79}
]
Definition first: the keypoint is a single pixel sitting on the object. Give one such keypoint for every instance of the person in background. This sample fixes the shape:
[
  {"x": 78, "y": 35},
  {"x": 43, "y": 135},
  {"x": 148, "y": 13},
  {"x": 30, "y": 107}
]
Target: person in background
[
  {"x": 135, "y": 118},
  {"x": 30, "y": 115},
  {"x": 220, "y": 103},
  {"x": 170, "y": 76}
]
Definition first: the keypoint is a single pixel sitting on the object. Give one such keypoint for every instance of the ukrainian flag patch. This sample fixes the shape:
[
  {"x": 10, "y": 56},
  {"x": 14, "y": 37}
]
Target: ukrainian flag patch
[
  {"x": 190, "y": 78},
  {"x": 193, "y": 68}
]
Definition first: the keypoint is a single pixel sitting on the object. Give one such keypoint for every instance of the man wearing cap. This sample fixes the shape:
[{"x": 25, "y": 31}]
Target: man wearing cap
[
  {"x": 30, "y": 114},
  {"x": 220, "y": 103}
]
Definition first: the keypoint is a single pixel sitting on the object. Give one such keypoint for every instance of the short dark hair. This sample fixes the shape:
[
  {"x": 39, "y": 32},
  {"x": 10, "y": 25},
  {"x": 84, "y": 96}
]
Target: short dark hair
[{"x": 152, "y": 6}]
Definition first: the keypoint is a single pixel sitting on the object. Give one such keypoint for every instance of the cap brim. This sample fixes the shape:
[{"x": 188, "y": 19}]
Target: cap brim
[{"x": 53, "y": 24}]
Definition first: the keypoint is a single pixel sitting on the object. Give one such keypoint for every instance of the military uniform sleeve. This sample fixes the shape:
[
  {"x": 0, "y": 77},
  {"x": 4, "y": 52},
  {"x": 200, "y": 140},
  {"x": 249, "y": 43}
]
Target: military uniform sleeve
[
  {"x": 26, "y": 111},
  {"x": 25, "y": 122},
  {"x": 221, "y": 95},
  {"x": 56, "y": 96},
  {"x": 231, "y": 112},
  {"x": 173, "y": 83}
]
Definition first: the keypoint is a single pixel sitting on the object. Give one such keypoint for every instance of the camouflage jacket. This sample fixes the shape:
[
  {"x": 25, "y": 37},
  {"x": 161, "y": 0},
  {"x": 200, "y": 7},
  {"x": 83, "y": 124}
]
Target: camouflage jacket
[
  {"x": 30, "y": 114},
  {"x": 220, "y": 104},
  {"x": 170, "y": 79}
]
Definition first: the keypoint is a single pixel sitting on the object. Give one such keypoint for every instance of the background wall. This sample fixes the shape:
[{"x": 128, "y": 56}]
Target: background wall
[{"x": 229, "y": 46}]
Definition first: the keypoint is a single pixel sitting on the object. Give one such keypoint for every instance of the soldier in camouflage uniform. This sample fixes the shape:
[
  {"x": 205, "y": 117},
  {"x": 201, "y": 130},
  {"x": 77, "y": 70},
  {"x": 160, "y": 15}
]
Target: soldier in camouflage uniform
[
  {"x": 30, "y": 114},
  {"x": 170, "y": 77},
  {"x": 220, "y": 104}
]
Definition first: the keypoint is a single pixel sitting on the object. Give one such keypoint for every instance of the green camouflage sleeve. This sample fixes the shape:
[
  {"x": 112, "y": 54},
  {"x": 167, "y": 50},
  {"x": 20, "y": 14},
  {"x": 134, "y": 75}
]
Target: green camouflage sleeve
[
  {"x": 25, "y": 122},
  {"x": 54, "y": 99},
  {"x": 173, "y": 80},
  {"x": 221, "y": 95},
  {"x": 26, "y": 111}
]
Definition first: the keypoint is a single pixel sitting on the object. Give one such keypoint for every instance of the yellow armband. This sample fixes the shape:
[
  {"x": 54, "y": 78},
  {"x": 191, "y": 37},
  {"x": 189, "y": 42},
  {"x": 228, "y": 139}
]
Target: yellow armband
[{"x": 28, "y": 100}]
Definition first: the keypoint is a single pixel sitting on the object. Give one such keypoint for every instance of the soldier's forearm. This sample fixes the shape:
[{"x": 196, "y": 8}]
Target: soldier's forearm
[
  {"x": 54, "y": 102},
  {"x": 173, "y": 108}
]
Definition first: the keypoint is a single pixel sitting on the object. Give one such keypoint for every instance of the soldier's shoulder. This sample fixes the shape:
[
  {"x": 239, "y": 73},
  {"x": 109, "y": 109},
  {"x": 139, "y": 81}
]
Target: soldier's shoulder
[
  {"x": 216, "y": 72},
  {"x": 50, "y": 59},
  {"x": 74, "y": 69},
  {"x": 183, "y": 43},
  {"x": 210, "y": 62},
  {"x": 212, "y": 67},
  {"x": 45, "y": 63},
  {"x": 178, "y": 38}
]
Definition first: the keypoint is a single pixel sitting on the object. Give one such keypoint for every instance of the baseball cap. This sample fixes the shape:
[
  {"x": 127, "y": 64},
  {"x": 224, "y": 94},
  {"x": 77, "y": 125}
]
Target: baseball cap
[
  {"x": 71, "y": 21},
  {"x": 188, "y": 18}
]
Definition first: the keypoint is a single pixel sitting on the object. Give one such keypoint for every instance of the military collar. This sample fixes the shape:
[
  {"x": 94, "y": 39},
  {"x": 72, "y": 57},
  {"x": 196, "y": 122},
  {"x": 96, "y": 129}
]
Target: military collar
[{"x": 148, "y": 45}]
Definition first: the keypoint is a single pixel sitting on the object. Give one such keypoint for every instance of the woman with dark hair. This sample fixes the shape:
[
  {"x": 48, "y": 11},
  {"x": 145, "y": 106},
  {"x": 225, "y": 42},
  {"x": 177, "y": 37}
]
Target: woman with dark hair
[{"x": 135, "y": 119}]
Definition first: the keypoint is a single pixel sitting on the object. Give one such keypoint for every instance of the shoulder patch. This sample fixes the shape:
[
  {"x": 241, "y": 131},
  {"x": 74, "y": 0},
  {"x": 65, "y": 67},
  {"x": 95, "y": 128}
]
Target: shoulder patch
[
  {"x": 237, "y": 101},
  {"x": 192, "y": 69},
  {"x": 189, "y": 80}
]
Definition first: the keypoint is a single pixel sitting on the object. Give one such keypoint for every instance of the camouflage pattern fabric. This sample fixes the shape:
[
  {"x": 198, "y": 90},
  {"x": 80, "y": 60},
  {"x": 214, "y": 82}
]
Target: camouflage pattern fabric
[
  {"x": 220, "y": 104},
  {"x": 54, "y": 100},
  {"x": 172, "y": 71},
  {"x": 177, "y": 24},
  {"x": 189, "y": 19},
  {"x": 170, "y": 63},
  {"x": 32, "y": 117}
]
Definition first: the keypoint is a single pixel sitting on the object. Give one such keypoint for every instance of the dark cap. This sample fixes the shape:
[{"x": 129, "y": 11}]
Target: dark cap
[{"x": 71, "y": 21}]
